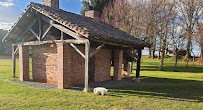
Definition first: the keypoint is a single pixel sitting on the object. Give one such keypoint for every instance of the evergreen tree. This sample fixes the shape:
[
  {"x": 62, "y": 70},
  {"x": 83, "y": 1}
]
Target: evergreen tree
[{"x": 96, "y": 5}]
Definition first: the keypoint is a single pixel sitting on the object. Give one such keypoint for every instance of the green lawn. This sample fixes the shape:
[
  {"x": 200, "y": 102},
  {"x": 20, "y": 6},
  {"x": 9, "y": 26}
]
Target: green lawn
[{"x": 178, "y": 90}]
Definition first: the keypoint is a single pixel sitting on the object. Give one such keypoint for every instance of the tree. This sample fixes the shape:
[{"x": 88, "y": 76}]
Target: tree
[
  {"x": 151, "y": 20},
  {"x": 199, "y": 38},
  {"x": 96, "y": 5},
  {"x": 166, "y": 16},
  {"x": 5, "y": 48},
  {"x": 189, "y": 13},
  {"x": 118, "y": 14}
]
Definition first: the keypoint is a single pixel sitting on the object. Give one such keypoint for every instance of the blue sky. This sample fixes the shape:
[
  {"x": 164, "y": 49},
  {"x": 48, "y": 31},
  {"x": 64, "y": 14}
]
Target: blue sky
[{"x": 10, "y": 10}]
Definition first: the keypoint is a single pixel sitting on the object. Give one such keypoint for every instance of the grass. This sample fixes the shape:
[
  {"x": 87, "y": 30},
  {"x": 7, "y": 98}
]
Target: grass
[{"x": 178, "y": 90}]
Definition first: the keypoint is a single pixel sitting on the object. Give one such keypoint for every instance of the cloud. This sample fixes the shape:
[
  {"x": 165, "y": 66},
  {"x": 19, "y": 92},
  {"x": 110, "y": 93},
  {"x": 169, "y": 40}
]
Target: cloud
[
  {"x": 6, "y": 4},
  {"x": 5, "y": 26},
  {"x": 9, "y": 14}
]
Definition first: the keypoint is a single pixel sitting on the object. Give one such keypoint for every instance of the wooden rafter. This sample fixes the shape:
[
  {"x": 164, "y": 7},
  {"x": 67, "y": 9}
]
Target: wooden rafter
[
  {"x": 62, "y": 28},
  {"x": 26, "y": 30},
  {"x": 16, "y": 51},
  {"x": 62, "y": 36},
  {"x": 54, "y": 41},
  {"x": 67, "y": 31},
  {"x": 35, "y": 34},
  {"x": 40, "y": 29},
  {"x": 46, "y": 32},
  {"x": 76, "y": 49},
  {"x": 134, "y": 52},
  {"x": 96, "y": 50}
]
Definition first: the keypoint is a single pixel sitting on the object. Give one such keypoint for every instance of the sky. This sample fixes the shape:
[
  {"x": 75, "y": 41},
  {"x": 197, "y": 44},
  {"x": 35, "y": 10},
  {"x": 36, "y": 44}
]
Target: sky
[{"x": 11, "y": 10}]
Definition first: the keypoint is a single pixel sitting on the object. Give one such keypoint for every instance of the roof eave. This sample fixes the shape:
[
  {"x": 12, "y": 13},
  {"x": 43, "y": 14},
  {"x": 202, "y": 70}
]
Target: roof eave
[{"x": 13, "y": 27}]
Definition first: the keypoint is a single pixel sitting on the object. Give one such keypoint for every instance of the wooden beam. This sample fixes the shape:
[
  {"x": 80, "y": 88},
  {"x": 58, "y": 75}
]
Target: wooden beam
[
  {"x": 16, "y": 51},
  {"x": 67, "y": 31},
  {"x": 26, "y": 30},
  {"x": 54, "y": 41},
  {"x": 96, "y": 50},
  {"x": 138, "y": 63},
  {"x": 131, "y": 67},
  {"x": 13, "y": 61},
  {"x": 40, "y": 29},
  {"x": 132, "y": 55},
  {"x": 35, "y": 34},
  {"x": 46, "y": 32},
  {"x": 62, "y": 37},
  {"x": 49, "y": 21},
  {"x": 134, "y": 52},
  {"x": 87, "y": 66},
  {"x": 76, "y": 49}
]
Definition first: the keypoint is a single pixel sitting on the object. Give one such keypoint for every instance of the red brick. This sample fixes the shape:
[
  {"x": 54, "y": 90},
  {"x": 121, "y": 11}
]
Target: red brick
[
  {"x": 24, "y": 62},
  {"x": 118, "y": 60},
  {"x": 51, "y": 3},
  {"x": 61, "y": 65}
]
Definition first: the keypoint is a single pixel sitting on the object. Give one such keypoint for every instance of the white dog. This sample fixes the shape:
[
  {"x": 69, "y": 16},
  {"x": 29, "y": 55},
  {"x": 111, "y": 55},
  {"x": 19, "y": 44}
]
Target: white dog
[{"x": 101, "y": 90}]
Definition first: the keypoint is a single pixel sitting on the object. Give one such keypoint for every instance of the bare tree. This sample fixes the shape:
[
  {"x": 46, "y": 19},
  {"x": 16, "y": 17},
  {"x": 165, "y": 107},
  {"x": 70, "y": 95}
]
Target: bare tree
[
  {"x": 189, "y": 13},
  {"x": 118, "y": 14},
  {"x": 199, "y": 39},
  {"x": 164, "y": 28}
]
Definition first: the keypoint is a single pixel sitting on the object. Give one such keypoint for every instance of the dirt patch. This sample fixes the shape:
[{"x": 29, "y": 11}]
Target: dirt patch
[
  {"x": 38, "y": 85},
  {"x": 113, "y": 83}
]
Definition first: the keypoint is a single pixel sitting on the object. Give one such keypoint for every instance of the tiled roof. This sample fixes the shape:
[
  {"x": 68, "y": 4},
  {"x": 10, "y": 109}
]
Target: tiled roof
[{"x": 88, "y": 27}]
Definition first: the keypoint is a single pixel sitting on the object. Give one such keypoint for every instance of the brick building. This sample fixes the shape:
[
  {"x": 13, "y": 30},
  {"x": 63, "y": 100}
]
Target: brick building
[{"x": 67, "y": 48}]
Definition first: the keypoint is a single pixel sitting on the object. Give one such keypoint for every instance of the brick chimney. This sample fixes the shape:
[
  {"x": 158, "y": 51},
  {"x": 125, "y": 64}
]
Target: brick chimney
[
  {"x": 51, "y": 3},
  {"x": 92, "y": 14}
]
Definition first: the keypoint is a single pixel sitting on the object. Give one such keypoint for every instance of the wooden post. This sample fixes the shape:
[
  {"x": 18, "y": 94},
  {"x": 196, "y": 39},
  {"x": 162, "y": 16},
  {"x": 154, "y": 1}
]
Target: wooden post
[
  {"x": 131, "y": 65},
  {"x": 40, "y": 29},
  {"x": 13, "y": 61},
  {"x": 87, "y": 61},
  {"x": 138, "y": 64},
  {"x": 62, "y": 37}
]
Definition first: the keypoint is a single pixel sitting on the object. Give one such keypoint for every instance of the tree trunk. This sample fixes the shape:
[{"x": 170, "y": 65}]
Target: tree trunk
[
  {"x": 162, "y": 56},
  {"x": 193, "y": 58},
  {"x": 187, "y": 57},
  {"x": 188, "y": 48},
  {"x": 159, "y": 57},
  {"x": 153, "y": 53},
  {"x": 176, "y": 62},
  {"x": 150, "y": 52},
  {"x": 202, "y": 53},
  {"x": 187, "y": 60}
]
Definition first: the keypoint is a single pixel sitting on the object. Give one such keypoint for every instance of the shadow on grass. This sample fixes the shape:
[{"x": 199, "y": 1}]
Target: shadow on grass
[
  {"x": 173, "y": 89},
  {"x": 191, "y": 69}
]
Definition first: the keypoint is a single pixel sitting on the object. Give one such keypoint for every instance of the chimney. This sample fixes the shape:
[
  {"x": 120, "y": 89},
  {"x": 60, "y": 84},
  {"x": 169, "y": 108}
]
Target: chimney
[
  {"x": 51, "y": 3},
  {"x": 92, "y": 14}
]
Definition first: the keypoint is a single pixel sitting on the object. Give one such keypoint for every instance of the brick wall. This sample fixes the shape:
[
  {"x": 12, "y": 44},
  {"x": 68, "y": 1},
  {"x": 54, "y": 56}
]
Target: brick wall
[
  {"x": 51, "y": 3},
  {"x": 92, "y": 14},
  {"x": 102, "y": 65},
  {"x": 118, "y": 60},
  {"x": 44, "y": 62},
  {"x": 24, "y": 62},
  {"x": 54, "y": 62}
]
